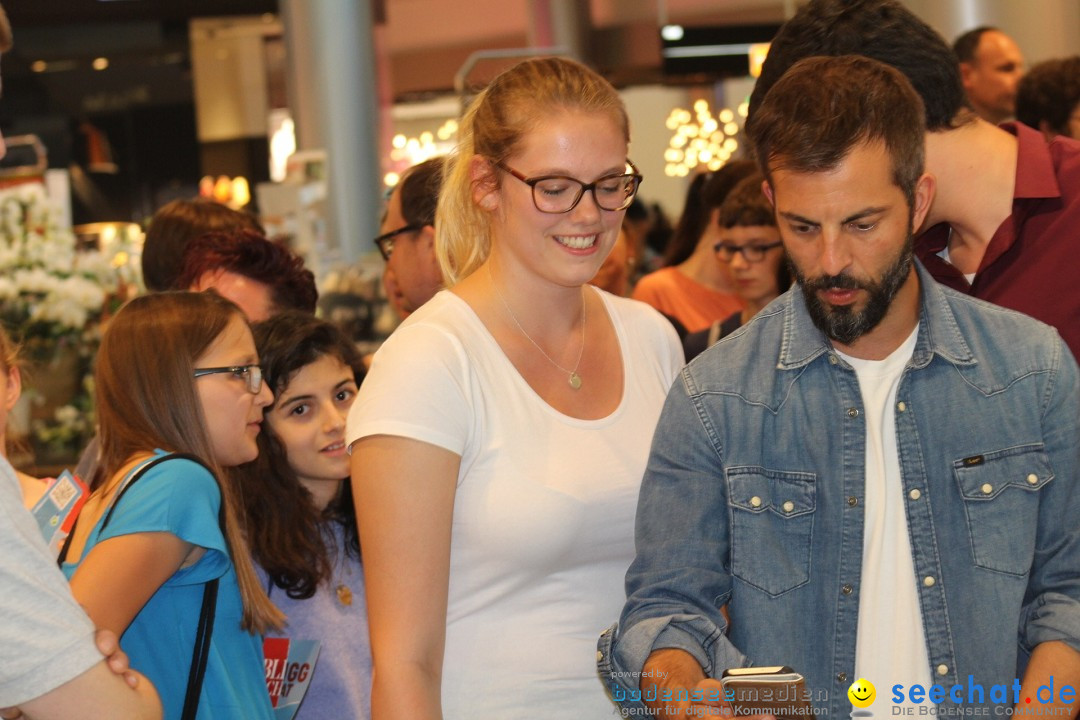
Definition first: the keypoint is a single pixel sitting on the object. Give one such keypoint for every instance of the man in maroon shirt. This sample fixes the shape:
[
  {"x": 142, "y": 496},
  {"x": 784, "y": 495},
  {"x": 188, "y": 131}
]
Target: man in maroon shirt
[{"x": 1005, "y": 222}]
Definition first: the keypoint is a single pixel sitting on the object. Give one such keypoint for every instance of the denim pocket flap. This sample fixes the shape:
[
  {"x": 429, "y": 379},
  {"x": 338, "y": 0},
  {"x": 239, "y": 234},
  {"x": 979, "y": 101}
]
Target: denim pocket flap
[
  {"x": 772, "y": 527},
  {"x": 1001, "y": 505},
  {"x": 757, "y": 489},
  {"x": 984, "y": 477}
]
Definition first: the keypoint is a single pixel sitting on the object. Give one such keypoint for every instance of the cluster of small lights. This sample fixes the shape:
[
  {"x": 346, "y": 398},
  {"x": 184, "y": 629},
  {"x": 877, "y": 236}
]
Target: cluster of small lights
[
  {"x": 701, "y": 139},
  {"x": 233, "y": 192},
  {"x": 406, "y": 151},
  {"x": 40, "y": 66}
]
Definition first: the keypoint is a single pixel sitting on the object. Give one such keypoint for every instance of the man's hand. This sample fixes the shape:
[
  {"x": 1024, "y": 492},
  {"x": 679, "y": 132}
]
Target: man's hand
[
  {"x": 1052, "y": 665},
  {"x": 116, "y": 659},
  {"x": 675, "y": 673}
]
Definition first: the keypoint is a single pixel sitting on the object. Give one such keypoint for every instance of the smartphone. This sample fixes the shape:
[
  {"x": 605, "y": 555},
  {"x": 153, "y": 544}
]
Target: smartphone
[{"x": 777, "y": 690}]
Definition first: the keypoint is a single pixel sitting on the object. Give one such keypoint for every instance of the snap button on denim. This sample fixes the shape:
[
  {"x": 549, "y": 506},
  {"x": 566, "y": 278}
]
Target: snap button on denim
[{"x": 915, "y": 494}]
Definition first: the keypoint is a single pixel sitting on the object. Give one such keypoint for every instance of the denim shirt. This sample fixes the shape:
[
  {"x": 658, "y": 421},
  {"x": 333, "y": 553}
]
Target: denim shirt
[{"x": 753, "y": 499}]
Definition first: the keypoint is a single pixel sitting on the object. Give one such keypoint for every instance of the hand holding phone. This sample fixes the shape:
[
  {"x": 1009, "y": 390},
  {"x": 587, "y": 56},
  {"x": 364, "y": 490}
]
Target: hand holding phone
[{"x": 777, "y": 690}]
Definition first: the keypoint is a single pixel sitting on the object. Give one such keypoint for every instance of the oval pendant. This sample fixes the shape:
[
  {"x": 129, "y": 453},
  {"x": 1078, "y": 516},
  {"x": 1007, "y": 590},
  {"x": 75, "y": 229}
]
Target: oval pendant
[
  {"x": 344, "y": 595},
  {"x": 575, "y": 380}
]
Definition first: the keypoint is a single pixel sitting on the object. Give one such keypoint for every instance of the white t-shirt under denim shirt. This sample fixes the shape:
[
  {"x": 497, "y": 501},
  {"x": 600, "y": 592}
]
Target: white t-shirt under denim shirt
[
  {"x": 543, "y": 525},
  {"x": 890, "y": 646}
]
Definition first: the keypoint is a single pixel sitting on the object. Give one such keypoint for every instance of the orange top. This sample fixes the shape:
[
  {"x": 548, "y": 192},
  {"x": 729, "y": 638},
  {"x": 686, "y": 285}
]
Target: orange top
[{"x": 688, "y": 301}]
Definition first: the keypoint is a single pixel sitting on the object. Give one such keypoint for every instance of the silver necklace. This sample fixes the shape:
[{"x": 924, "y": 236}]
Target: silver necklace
[{"x": 574, "y": 379}]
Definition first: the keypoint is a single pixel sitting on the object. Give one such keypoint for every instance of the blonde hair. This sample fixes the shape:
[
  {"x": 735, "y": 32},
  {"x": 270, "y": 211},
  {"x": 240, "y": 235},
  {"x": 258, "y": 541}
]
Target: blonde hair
[
  {"x": 494, "y": 127},
  {"x": 146, "y": 398}
]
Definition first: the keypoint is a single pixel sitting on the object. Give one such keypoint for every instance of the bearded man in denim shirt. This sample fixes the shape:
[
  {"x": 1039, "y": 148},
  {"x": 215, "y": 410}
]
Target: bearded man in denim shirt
[{"x": 876, "y": 477}]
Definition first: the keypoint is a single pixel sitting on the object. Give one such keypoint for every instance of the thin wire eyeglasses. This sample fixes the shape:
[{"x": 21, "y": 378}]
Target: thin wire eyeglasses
[
  {"x": 252, "y": 375},
  {"x": 385, "y": 242},
  {"x": 558, "y": 194},
  {"x": 750, "y": 253}
]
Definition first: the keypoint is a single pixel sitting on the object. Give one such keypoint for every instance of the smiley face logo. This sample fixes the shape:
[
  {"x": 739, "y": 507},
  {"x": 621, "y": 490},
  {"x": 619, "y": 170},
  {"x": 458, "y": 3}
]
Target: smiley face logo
[{"x": 862, "y": 693}]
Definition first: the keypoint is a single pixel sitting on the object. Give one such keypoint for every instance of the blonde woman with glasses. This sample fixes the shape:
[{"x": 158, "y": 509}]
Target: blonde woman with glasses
[{"x": 501, "y": 436}]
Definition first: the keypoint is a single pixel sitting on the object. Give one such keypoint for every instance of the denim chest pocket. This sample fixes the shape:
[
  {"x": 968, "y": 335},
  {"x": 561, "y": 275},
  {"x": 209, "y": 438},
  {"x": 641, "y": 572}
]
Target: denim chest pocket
[
  {"x": 1001, "y": 503},
  {"x": 772, "y": 523}
]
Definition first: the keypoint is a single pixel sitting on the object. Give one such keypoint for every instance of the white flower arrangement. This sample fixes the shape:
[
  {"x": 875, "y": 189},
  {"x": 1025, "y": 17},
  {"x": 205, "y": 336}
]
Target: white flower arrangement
[
  {"x": 48, "y": 289},
  {"x": 53, "y": 299}
]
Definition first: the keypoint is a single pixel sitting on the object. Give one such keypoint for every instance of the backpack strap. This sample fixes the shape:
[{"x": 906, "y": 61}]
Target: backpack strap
[{"x": 201, "y": 651}]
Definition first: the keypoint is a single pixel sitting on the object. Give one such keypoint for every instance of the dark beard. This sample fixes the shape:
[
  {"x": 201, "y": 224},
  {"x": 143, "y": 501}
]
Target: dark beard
[{"x": 844, "y": 324}]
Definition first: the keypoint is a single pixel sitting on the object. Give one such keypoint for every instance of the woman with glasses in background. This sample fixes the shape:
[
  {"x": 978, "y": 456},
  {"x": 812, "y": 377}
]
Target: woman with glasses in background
[
  {"x": 749, "y": 248},
  {"x": 499, "y": 442},
  {"x": 159, "y": 537}
]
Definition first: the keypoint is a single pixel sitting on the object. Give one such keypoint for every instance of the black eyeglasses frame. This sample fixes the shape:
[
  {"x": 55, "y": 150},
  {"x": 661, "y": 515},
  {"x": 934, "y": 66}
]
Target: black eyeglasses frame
[
  {"x": 252, "y": 375},
  {"x": 583, "y": 187},
  {"x": 385, "y": 242}
]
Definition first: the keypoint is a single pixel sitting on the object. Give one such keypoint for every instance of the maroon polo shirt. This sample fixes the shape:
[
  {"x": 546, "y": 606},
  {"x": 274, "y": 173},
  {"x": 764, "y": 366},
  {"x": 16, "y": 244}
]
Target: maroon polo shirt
[{"x": 1032, "y": 263}]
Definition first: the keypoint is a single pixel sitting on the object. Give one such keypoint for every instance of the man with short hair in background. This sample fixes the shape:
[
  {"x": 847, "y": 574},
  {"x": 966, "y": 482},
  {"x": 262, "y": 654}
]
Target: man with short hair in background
[
  {"x": 407, "y": 239},
  {"x": 261, "y": 276},
  {"x": 991, "y": 66}
]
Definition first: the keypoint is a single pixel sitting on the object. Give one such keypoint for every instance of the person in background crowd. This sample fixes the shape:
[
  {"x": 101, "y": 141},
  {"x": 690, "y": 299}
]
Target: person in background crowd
[
  {"x": 991, "y": 66},
  {"x": 1049, "y": 98},
  {"x": 10, "y": 391},
  {"x": 1005, "y": 220},
  {"x": 657, "y": 234},
  {"x": 836, "y": 475},
  {"x": 177, "y": 373},
  {"x": 260, "y": 276},
  {"x": 693, "y": 219},
  {"x": 407, "y": 242},
  {"x": 636, "y": 223},
  {"x": 749, "y": 247},
  {"x": 508, "y": 414},
  {"x": 615, "y": 273},
  {"x": 52, "y": 667},
  {"x": 695, "y": 288},
  {"x": 174, "y": 226},
  {"x": 706, "y": 194},
  {"x": 299, "y": 510}
]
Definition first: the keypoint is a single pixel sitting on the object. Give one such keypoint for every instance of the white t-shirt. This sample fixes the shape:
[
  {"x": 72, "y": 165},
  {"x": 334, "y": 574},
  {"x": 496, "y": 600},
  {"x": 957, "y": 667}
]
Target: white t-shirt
[
  {"x": 944, "y": 255},
  {"x": 890, "y": 644},
  {"x": 543, "y": 525},
  {"x": 45, "y": 637}
]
